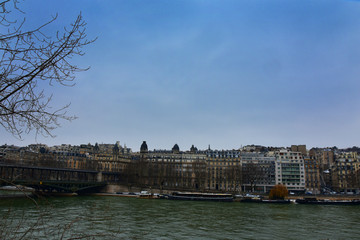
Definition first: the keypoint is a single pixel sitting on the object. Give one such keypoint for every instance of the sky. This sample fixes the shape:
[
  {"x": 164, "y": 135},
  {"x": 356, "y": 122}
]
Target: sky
[{"x": 224, "y": 73}]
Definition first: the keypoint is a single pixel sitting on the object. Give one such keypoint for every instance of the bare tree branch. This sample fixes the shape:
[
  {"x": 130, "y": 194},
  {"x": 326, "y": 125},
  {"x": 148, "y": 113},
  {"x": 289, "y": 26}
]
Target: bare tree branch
[{"x": 28, "y": 57}]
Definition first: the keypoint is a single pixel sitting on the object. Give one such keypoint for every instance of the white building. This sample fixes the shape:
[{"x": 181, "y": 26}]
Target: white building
[{"x": 289, "y": 167}]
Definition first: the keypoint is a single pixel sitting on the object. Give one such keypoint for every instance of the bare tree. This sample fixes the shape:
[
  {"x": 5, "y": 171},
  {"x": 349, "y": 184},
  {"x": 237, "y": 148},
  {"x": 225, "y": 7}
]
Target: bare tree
[
  {"x": 28, "y": 57},
  {"x": 252, "y": 173},
  {"x": 159, "y": 168},
  {"x": 233, "y": 175},
  {"x": 130, "y": 172}
]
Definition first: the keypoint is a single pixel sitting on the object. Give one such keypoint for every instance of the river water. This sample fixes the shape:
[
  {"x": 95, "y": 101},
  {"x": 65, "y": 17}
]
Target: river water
[{"x": 98, "y": 217}]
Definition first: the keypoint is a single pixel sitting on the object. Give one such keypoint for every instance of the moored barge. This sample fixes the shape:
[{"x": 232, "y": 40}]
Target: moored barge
[
  {"x": 316, "y": 201},
  {"x": 217, "y": 197}
]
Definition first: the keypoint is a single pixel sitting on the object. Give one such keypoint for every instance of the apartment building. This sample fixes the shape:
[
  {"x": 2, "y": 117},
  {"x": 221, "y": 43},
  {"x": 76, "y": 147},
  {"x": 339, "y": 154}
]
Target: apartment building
[
  {"x": 258, "y": 171},
  {"x": 312, "y": 175},
  {"x": 345, "y": 173},
  {"x": 223, "y": 170},
  {"x": 289, "y": 167}
]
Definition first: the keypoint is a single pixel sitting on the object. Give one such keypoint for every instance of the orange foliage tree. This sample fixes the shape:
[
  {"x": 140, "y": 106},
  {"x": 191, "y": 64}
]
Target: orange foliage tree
[{"x": 278, "y": 192}]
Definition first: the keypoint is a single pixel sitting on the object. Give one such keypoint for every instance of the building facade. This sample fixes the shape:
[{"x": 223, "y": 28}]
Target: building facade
[
  {"x": 312, "y": 175},
  {"x": 290, "y": 170},
  {"x": 344, "y": 173},
  {"x": 258, "y": 172},
  {"x": 223, "y": 170}
]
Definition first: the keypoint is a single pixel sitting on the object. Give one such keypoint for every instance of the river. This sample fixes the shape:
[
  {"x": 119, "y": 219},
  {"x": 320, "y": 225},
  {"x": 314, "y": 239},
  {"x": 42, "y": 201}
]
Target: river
[{"x": 99, "y": 217}]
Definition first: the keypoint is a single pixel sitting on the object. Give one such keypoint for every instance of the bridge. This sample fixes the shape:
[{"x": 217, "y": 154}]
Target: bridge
[{"x": 56, "y": 180}]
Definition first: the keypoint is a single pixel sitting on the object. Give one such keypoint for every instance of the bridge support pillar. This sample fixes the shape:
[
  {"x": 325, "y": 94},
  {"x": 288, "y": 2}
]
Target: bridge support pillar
[{"x": 99, "y": 177}]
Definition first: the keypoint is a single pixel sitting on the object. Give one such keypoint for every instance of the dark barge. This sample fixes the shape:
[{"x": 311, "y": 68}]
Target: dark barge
[
  {"x": 216, "y": 197},
  {"x": 315, "y": 201}
]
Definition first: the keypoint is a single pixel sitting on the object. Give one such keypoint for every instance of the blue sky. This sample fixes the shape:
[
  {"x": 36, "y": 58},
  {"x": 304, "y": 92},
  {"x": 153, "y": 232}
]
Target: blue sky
[{"x": 225, "y": 73}]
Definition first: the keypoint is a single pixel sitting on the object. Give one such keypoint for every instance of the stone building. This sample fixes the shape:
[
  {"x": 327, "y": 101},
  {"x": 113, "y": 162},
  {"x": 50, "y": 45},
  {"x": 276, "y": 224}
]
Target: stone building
[
  {"x": 344, "y": 173},
  {"x": 223, "y": 170},
  {"x": 299, "y": 148},
  {"x": 170, "y": 169},
  {"x": 207, "y": 170},
  {"x": 312, "y": 175},
  {"x": 325, "y": 159}
]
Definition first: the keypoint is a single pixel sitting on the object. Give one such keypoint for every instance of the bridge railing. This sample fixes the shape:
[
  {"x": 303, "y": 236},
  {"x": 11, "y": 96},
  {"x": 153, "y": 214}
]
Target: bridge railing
[{"x": 31, "y": 173}]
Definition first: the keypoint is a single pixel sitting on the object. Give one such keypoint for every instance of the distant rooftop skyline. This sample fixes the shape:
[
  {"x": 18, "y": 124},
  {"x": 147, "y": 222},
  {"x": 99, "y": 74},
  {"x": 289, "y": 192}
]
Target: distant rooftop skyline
[{"x": 224, "y": 73}]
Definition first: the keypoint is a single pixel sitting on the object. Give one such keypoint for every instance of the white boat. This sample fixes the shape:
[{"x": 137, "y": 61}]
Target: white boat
[{"x": 145, "y": 194}]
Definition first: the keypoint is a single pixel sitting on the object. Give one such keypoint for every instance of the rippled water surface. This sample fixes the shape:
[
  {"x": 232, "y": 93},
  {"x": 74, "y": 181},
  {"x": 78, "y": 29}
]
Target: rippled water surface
[{"x": 129, "y": 218}]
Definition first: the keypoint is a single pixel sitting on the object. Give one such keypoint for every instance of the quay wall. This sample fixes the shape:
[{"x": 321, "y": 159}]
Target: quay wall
[{"x": 114, "y": 188}]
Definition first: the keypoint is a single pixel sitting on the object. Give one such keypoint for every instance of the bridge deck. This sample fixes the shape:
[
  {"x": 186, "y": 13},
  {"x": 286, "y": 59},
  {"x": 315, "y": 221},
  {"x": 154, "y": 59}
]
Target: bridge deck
[{"x": 55, "y": 179}]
